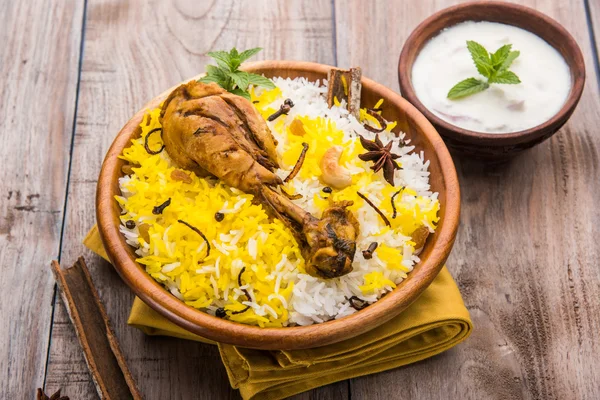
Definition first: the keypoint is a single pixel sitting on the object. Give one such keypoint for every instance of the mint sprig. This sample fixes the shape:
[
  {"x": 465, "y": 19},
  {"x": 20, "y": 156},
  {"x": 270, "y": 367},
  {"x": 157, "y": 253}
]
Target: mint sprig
[
  {"x": 493, "y": 66},
  {"x": 227, "y": 75}
]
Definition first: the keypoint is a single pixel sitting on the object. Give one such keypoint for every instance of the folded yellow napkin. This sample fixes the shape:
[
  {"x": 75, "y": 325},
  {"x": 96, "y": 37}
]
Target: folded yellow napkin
[{"x": 435, "y": 322}]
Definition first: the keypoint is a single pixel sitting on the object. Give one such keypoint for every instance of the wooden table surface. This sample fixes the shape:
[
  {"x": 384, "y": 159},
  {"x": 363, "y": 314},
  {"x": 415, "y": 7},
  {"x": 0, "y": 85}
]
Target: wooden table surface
[{"x": 527, "y": 258}]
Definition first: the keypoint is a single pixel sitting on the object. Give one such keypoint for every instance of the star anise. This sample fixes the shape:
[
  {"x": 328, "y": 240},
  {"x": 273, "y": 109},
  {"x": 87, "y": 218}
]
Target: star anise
[
  {"x": 56, "y": 396},
  {"x": 381, "y": 156}
]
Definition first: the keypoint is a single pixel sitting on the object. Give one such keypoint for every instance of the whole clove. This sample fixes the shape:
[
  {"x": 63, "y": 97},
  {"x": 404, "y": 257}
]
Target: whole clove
[
  {"x": 284, "y": 109},
  {"x": 157, "y": 210},
  {"x": 368, "y": 253}
]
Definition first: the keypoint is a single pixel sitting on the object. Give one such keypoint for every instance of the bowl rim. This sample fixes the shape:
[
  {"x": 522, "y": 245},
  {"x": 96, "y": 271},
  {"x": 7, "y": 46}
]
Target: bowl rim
[
  {"x": 298, "y": 337},
  {"x": 492, "y": 139}
]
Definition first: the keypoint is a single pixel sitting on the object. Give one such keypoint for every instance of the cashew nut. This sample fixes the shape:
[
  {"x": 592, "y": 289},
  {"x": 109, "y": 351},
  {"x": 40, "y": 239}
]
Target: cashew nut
[{"x": 333, "y": 174}]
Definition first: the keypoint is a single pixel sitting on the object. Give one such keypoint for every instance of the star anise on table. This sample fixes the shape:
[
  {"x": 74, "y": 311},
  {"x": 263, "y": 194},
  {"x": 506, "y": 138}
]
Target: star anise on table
[
  {"x": 56, "y": 396},
  {"x": 381, "y": 156}
]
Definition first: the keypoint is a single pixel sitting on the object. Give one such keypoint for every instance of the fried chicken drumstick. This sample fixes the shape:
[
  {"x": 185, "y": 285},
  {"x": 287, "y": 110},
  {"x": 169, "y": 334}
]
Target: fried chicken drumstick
[{"x": 213, "y": 132}]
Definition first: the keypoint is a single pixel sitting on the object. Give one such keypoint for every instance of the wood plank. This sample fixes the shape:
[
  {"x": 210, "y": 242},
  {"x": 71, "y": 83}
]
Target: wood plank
[
  {"x": 39, "y": 59},
  {"x": 526, "y": 257},
  {"x": 134, "y": 50},
  {"x": 593, "y": 12}
]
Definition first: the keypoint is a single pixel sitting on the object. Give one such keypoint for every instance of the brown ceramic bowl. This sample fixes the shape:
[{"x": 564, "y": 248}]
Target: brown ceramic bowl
[
  {"x": 436, "y": 251},
  {"x": 492, "y": 145}
]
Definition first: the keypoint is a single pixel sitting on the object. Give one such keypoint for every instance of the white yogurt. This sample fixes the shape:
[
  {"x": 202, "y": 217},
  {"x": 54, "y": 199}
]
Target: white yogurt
[{"x": 445, "y": 60}]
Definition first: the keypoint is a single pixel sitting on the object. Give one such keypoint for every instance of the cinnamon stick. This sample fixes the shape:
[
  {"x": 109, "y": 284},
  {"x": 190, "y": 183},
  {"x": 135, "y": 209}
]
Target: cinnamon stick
[
  {"x": 101, "y": 349},
  {"x": 345, "y": 85}
]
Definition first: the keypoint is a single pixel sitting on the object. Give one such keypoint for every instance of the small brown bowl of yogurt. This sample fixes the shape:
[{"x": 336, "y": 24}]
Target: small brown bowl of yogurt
[{"x": 528, "y": 80}]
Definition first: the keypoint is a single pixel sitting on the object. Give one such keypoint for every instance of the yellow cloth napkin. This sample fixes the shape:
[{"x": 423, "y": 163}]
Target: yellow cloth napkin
[{"x": 435, "y": 322}]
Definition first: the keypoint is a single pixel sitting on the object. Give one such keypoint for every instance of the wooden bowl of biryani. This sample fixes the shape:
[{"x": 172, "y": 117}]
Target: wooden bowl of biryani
[{"x": 443, "y": 180}]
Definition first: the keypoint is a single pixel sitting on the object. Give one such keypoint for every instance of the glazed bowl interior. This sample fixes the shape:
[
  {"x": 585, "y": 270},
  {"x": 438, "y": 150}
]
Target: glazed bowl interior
[
  {"x": 443, "y": 180},
  {"x": 511, "y": 14}
]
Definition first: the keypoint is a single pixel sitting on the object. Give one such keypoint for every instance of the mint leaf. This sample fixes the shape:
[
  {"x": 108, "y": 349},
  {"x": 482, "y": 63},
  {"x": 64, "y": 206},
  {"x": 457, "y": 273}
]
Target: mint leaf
[
  {"x": 234, "y": 59},
  {"x": 222, "y": 58},
  {"x": 246, "y": 54},
  {"x": 507, "y": 77},
  {"x": 212, "y": 70},
  {"x": 235, "y": 64},
  {"x": 509, "y": 60},
  {"x": 467, "y": 87},
  {"x": 500, "y": 55},
  {"x": 259, "y": 80},
  {"x": 210, "y": 79},
  {"x": 481, "y": 58},
  {"x": 213, "y": 74},
  {"x": 241, "y": 92},
  {"x": 240, "y": 78}
]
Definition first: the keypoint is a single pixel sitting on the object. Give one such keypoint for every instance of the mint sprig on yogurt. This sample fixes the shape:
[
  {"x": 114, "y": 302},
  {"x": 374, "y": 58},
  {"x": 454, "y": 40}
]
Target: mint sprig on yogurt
[{"x": 494, "y": 67}]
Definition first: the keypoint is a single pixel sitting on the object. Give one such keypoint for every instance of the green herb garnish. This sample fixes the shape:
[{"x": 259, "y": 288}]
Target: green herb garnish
[
  {"x": 227, "y": 75},
  {"x": 493, "y": 66}
]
